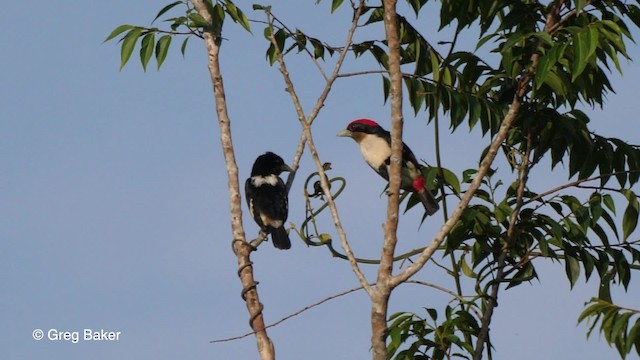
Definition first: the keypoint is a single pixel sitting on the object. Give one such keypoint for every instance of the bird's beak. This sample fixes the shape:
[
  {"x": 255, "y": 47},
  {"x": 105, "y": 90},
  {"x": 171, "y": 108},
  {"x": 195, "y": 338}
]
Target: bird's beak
[
  {"x": 286, "y": 167},
  {"x": 345, "y": 133}
]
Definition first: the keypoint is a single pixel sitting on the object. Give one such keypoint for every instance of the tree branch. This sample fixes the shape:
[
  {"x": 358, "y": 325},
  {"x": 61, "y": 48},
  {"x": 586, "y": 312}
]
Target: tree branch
[
  {"x": 242, "y": 249},
  {"x": 577, "y": 183},
  {"x": 306, "y": 122}
]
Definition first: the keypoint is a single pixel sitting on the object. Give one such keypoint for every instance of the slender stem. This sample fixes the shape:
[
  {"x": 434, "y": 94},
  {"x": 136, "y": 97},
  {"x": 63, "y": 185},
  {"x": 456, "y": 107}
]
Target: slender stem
[
  {"x": 492, "y": 301},
  {"x": 577, "y": 184}
]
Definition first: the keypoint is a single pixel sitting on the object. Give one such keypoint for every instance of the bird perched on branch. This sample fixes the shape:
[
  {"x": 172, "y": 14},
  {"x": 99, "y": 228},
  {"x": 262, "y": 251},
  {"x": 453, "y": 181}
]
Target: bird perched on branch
[
  {"x": 375, "y": 146},
  {"x": 267, "y": 197}
]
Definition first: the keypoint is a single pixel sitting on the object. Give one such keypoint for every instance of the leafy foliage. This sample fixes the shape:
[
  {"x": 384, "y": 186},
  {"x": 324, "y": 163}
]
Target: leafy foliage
[
  {"x": 447, "y": 334},
  {"x": 616, "y": 323},
  {"x": 189, "y": 24}
]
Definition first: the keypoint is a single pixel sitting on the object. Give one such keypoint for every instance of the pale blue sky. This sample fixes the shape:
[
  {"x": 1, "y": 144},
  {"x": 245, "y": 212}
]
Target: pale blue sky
[{"x": 114, "y": 207}]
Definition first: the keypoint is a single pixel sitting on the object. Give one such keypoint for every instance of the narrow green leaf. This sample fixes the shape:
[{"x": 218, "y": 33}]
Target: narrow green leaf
[
  {"x": 435, "y": 65},
  {"x": 572, "y": 268},
  {"x": 386, "y": 85},
  {"x": 162, "y": 47},
  {"x": 197, "y": 21},
  {"x": 335, "y": 4},
  {"x": 610, "y": 317},
  {"x": 607, "y": 200},
  {"x": 634, "y": 15},
  {"x": 547, "y": 62},
  {"x": 580, "y": 47},
  {"x": 128, "y": 43},
  {"x": 433, "y": 314},
  {"x": 165, "y": 9},
  {"x": 117, "y": 31},
  {"x": 555, "y": 83},
  {"x": 217, "y": 15},
  {"x": 630, "y": 216},
  {"x": 146, "y": 49},
  {"x": 633, "y": 336},
  {"x": 621, "y": 325},
  {"x": 451, "y": 179},
  {"x": 485, "y": 39},
  {"x": 237, "y": 15},
  {"x": 591, "y": 310},
  {"x": 466, "y": 269},
  {"x": 604, "y": 290},
  {"x": 184, "y": 45}
]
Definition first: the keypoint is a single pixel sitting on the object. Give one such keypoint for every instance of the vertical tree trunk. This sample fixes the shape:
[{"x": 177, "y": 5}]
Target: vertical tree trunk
[
  {"x": 380, "y": 296},
  {"x": 241, "y": 247}
]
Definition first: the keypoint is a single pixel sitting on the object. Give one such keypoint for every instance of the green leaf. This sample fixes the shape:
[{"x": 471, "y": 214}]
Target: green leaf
[
  {"x": 146, "y": 49},
  {"x": 237, "y": 15},
  {"x": 555, "y": 83},
  {"x": 620, "y": 325},
  {"x": 162, "y": 47},
  {"x": 128, "y": 43},
  {"x": 547, "y": 62},
  {"x": 165, "y": 9},
  {"x": 433, "y": 314},
  {"x": 572, "y": 268},
  {"x": 607, "y": 200},
  {"x": 435, "y": 65},
  {"x": 634, "y": 335},
  {"x": 197, "y": 21},
  {"x": 386, "y": 85},
  {"x": 630, "y": 217},
  {"x": 604, "y": 290},
  {"x": 184, "y": 45},
  {"x": 451, "y": 179},
  {"x": 581, "y": 50},
  {"x": 335, "y": 4},
  {"x": 466, "y": 269},
  {"x": 117, "y": 31}
]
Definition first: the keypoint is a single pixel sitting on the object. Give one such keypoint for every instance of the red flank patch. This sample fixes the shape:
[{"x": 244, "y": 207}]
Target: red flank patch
[{"x": 418, "y": 184}]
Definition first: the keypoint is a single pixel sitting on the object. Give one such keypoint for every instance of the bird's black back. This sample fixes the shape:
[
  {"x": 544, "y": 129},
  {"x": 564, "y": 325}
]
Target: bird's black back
[{"x": 267, "y": 199}]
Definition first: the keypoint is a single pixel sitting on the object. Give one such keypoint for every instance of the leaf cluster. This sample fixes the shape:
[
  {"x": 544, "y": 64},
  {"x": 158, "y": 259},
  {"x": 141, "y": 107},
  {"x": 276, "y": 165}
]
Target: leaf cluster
[
  {"x": 428, "y": 338},
  {"x": 620, "y": 326},
  {"x": 189, "y": 24}
]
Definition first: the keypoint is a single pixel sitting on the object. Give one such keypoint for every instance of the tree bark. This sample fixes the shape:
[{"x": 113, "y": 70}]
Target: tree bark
[
  {"x": 382, "y": 292},
  {"x": 241, "y": 247}
]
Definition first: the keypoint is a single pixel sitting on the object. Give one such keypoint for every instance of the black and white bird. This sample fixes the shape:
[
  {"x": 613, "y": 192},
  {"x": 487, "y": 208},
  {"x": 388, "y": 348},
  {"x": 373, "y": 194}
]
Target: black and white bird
[
  {"x": 267, "y": 197},
  {"x": 375, "y": 146}
]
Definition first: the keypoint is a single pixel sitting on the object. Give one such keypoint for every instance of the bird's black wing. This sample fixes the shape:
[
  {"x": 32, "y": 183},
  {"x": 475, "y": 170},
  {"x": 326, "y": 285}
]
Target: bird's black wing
[{"x": 268, "y": 203}]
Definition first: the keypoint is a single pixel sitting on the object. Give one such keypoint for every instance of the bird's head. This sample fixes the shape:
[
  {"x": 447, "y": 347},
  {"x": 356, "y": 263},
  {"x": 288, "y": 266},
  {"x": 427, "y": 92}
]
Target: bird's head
[
  {"x": 359, "y": 128},
  {"x": 269, "y": 164}
]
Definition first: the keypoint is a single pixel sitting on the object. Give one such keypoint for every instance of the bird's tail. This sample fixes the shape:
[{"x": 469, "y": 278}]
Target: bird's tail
[
  {"x": 430, "y": 203},
  {"x": 280, "y": 238}
]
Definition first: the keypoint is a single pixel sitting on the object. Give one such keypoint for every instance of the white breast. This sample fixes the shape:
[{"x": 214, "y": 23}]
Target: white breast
[
  {"x": 261, "y": 180},
  {"x": 375, "y": 150}
]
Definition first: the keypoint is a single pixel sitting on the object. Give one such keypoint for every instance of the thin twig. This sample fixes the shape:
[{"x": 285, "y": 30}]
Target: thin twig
[
  {"x": 332, "y": 297},
  {"x": 306, "y": 122},
  {"x": 315, "y": 61},
  {"x": 576, "y": 183},
  {"x": 309, "y": 307}
]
